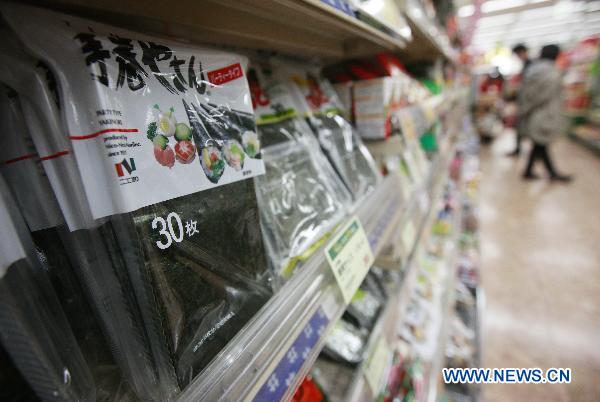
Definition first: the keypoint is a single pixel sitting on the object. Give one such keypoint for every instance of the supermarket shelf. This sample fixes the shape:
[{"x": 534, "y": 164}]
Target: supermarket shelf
[
  {"x": 428, "y": 42},
  {"x": 249, "y": 362},
  {"x": 307, "y": 28},
  {"x": 447, "y": 304},
  {"x": 386, "y": 325},
  {"x": 240, "y": 370},
  {"x": 590, "y": 143}
]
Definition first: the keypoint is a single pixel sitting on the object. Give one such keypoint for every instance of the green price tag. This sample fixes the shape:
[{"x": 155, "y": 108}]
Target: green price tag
[{"x": 350, "y": 257}]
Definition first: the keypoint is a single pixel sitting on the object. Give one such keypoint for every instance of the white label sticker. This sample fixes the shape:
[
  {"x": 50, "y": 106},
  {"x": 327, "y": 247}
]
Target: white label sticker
[
  {"x": 350, "y": 257},
  {"x": 408, "y": 235},
  {"x": 375, "y": 366},
  {"x": 148, "y": 119}
]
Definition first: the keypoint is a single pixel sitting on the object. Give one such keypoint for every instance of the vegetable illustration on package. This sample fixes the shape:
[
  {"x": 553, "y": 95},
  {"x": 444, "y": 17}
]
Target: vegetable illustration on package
[
  {"x": 159, "y": 132},
  {"x": 211, "y": 157}
]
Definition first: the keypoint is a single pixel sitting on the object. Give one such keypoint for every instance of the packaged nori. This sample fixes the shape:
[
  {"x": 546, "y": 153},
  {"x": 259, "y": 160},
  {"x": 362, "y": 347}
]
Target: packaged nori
[
  {"x": 210, "y": 285},
  {"x": 33, "y": 326},
  {"x": 346, "y": 343},
  {"x": 301, "y": 201},
  {"x": 187, "y": 294},
  {"x": 13, "y": 386},
  {"x": 53, "y": 243},
  {"x": 94, "y": 249},
  {"x": 301, "y": 197},
  {"x": 315, "y": 98},
  {"x": 347, "y": 153}
]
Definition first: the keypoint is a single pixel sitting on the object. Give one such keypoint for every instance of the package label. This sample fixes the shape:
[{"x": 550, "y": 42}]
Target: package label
[
  {"x": 314, "y": 95},
  {"x": 148, "y": 119},
  {"x": 409, "y": 235},
  {"x": 376, "y": 364},
  {"x": 272, "y": 98},
  {"x": 350, "y": 257}
]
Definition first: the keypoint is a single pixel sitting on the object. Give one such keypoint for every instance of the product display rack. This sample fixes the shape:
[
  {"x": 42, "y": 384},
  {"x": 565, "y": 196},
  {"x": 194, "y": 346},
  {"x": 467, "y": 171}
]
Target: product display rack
[
  {"x": 469, "y": 247},
  {"x": 447, "y": 304},
  {"x": 246, "y": 364},
  {"x": 395, "y": 309}
]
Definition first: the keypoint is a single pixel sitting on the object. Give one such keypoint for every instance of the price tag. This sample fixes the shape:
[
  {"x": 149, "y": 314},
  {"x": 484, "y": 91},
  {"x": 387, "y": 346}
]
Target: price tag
[
  {"x": 407, "y": 123},
  {"x": 423, "y": 201},
  {"x": 375, "y": 365},
  {"x": 408, "y": 235},
  {"x": 350, "y": 257},
  {"x": 405, "y": 187},
  {"x": 429, "y": 112},
  {"x": 413, "y": 166}
]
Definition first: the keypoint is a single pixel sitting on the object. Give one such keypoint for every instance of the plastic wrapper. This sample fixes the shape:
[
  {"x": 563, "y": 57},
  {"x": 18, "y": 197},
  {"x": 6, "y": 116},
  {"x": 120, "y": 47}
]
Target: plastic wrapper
[
  {"x": 33, "y": 326},
  {"x": 316, "y": 98},
  {"x": 367, "y": 303},
  {"x": 347, "y": 153},
  {"x": 300, "y": 202},
  {"x": 346, "y": 343},
  {"x": 13, "y": 386},
  {"x": 158, "y": 161},
  {"x": 30, "y": 186},
  {"x": 301, "y": 197}
]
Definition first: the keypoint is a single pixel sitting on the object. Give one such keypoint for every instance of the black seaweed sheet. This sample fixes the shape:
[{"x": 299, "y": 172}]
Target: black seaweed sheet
[
  {"x": 211, "y": 283},
  {"x": 13, "y": 386},
  {"x": 347, "y": 155},
  {"x": 83, "y": 321},
  {"x": 35, "y": 332}
]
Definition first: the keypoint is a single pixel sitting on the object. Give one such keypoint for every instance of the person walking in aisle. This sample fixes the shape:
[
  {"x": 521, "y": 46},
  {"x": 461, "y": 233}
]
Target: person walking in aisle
[
  {"x": 522, "y": 53},
  {"x": 541, "y": 103}
]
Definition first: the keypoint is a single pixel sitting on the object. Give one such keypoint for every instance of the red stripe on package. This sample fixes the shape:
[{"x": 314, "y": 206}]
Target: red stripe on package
[
  {"x": 20, "y": 158},
  {"x": 107, "y": 130},
  {"x": 56, "y": 155}
]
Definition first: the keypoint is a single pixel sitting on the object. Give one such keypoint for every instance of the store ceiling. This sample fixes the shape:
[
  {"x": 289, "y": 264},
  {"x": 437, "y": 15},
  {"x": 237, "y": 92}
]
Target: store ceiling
[{"x": 533, "y": 22}]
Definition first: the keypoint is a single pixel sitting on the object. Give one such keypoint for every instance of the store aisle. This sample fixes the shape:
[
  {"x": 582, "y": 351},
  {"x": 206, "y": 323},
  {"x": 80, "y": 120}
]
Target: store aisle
[{"x": 541, "y": 272}]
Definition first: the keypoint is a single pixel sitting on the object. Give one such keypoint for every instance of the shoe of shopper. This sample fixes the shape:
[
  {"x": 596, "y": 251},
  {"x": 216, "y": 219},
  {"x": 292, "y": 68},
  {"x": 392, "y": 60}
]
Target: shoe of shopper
[
  {"x": 530, "y": 176},
  {"x": 564, "y": 178}
]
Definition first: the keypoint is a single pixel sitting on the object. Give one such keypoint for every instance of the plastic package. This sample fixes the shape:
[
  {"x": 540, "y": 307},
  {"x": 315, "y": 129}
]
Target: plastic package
[
  {"x": 300, "y": 201},
  {"x": 316, "y": 99},
  {"x": 346, "y": 343},
  {"x": 13, "y": 386},
  {"x": 31, "y": 188},
  {"x": 367, "y": 303},
  {"x": 300, "y": 195},
  {"x": 186, "y": 267},
  {"x": 33, "y": 326}
]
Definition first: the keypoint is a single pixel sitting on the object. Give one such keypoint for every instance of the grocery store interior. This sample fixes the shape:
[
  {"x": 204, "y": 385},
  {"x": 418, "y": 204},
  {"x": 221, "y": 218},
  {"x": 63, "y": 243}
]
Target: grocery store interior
[{"x": 300, "y": 200}]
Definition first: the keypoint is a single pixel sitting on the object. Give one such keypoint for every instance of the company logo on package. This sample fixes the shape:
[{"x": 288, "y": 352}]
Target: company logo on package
[
  {"x": 125, "y": 166},
  {"x": 124, "y": 170}
]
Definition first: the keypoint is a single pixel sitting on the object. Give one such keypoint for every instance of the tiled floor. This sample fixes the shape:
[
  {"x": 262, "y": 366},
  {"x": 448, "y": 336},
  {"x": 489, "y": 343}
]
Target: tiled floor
[{"x": 541, "y": 272}]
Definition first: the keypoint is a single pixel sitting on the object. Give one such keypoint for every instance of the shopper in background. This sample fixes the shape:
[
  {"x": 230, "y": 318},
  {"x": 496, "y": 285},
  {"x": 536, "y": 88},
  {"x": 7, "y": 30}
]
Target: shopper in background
[
  {"x": 522, "y": 53},
  {"x": 541, "y": 107}
]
